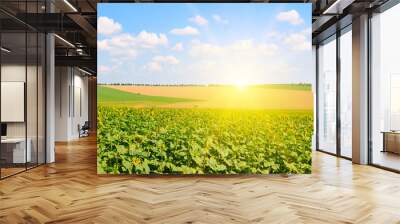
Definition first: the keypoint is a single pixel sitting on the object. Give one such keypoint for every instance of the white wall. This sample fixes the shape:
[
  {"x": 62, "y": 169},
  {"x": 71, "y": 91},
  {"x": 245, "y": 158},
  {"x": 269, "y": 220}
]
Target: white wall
[
  {"x": 17, "y": 73},
  {"x": 71, "y": 87},
  {"x": 14, "y": 73},
  {"x": 62, "y": 83},
  {"x": 33, "y": 126},
  {"x": 81, "y": 100}
]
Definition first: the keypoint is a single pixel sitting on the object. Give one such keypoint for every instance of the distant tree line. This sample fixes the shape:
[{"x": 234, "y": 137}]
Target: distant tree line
[{"x": 305, "y": 85}]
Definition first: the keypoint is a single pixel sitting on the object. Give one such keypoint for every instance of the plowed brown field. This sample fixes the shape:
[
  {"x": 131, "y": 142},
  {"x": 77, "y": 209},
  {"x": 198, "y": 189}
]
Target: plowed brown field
[{"x": 228, "y": 97}]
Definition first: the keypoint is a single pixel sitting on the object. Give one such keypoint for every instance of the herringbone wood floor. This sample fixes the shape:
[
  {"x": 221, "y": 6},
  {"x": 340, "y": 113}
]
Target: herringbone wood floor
[{"x": 69, "y": 191}]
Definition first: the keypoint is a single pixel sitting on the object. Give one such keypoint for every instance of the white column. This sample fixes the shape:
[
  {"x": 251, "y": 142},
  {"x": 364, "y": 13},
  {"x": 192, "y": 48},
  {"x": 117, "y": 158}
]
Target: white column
[
  {"x": 63, "y": 101},
  {"x": 360, "y": 90},
  {"x": 50, "y": 99}
]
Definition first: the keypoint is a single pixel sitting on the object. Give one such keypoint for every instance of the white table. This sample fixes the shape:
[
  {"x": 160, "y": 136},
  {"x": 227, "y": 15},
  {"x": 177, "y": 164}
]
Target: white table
[{"x": 19, "y": 154}]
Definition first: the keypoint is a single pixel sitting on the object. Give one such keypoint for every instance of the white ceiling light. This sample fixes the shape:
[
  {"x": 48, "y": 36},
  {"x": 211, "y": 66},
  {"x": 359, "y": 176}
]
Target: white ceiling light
[
  {"x": 65, "y": 41},
  {"x": 86, "y": 72},
  {"x": 70, "y": 5},
  {"x": 337, "y": 7},
  {"x": 5, "y": 50}
]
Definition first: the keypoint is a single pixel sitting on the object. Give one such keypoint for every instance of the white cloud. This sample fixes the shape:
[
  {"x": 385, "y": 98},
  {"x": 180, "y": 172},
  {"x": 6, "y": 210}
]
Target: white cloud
[
  {"x": 108, "y": 26},
  {"x": 217, "y": 18},
  {"x": 111, "y": 67},
  {"x": 150, "y": 40},
  {"x": 188, "y": 30},
  {"x": 104, "y": 69},
  {"x": 291, "y": 16},
  {"x": 103, "y": 45},
  {"x": 241, "y": 47},
  {"x": 120, "y": 46},
  {"x": 121, "y": 40},
  {"x": 199, "y": 20},
  {"x": 125, "y": 46},
  {"x": 202, "y": 49},
  {"x": 272, "y": 35},
  {"x": 178, "y": 47},
  {"x": 153, "y": 67},
  {"x": 307, "y": 31},
  {"x": 166, "y": 59},
  {"x": 269, "y": 49},
  {"x": 298, "y": 41},
  {"x": 157, "y": 63},
  {"x": 242, "y": 61}
]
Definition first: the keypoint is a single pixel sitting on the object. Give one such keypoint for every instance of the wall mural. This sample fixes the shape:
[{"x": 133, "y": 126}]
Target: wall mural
[{"x": 204, "y": 89}]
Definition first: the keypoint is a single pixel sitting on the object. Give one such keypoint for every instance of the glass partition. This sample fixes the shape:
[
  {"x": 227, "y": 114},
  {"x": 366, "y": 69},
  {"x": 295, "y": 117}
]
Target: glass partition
[
  {"x": 31, "y": 97},
  {"x": 385, "y": 89},
  {"x": 41, "y": 96},
  {"x": 14, "y": 153},
  {"x": 22, "y": 77},
  {"x": 346, "y": 93},
  {"x": 327, "y": 96}
]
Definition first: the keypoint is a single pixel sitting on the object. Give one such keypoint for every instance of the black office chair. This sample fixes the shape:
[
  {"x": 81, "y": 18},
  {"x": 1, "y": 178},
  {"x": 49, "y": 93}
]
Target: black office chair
[{"x": 84, "y": 130}]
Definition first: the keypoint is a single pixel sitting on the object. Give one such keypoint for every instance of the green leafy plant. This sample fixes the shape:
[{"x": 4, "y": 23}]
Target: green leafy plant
[{"x": 203, "y": 141}]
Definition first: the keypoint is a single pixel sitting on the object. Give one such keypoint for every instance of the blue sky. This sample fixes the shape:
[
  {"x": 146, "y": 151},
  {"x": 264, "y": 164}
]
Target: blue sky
[{"x": 204, "y": 43}]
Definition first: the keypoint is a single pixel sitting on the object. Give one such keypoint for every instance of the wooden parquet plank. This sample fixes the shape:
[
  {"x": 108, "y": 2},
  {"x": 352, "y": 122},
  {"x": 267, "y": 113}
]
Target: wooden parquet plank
[{"x": 70, "y": 191}]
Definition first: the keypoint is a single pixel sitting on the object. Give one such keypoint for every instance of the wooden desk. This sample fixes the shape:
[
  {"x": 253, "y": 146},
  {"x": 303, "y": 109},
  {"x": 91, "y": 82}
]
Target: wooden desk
[
  {"x": 391, "y": 141},
  {"x": 13, "y": 150}
]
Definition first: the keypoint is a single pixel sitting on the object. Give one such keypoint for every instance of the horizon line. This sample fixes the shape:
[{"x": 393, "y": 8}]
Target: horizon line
[{"x": 197, "y": 84}]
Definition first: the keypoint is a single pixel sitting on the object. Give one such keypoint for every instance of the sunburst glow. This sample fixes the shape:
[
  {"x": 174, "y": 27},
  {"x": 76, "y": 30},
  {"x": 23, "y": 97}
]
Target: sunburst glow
[{"x": 241, "y": 84}]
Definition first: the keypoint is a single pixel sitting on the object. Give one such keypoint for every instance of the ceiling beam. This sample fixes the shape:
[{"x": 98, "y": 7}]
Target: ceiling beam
[
  {"x": 337, "y": 6},
  {"x": 78, "y": 61},
  {"x": 83, "y": 23}
]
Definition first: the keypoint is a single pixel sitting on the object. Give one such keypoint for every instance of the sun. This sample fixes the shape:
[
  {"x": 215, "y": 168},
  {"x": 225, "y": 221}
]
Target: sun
[{"x": 241, "y": 84}]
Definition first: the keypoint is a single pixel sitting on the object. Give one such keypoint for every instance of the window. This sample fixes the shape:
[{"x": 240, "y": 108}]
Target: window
[
  {"x": 327, "y": 96},
  {"x": 346, "y": 93},
  {"x": 385, "y": 89},
  {"x": 394, "y": 102}
]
